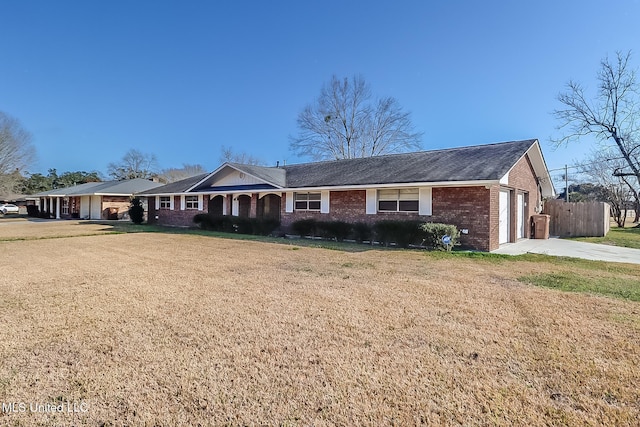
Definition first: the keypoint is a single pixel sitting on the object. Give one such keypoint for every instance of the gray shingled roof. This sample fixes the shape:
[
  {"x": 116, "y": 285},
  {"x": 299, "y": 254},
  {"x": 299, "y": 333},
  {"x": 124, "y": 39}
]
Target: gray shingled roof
[
  {"x": 127, "y": 187},
  {"x": 476, "y": 163},
  {"x": 488, "y": 162},
  {"x": 176, "y": 187}
]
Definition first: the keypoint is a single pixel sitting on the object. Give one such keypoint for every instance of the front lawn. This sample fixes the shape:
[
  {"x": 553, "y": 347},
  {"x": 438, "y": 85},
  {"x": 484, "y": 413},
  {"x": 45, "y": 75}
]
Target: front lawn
[{"x": 628, "y": 237}]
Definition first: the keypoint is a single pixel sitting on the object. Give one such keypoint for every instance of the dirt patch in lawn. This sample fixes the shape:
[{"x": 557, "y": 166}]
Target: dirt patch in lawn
[{"x": 160, "y": 329}]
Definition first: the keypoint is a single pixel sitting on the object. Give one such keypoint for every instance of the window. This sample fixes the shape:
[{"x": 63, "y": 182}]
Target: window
[
  {"x": 404, "y": 200},
  {"x": 307, "y": 201},
  {"x": 191, "y": 202},
  {"x": 65, "y": 206},
  {"x": 165, "y": 202}
]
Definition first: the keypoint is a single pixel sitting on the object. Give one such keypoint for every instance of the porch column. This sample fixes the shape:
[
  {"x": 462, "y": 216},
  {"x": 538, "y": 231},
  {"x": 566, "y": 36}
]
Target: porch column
[
  {"x": 253, "y": 207},
  {"x": 50, "y": 210},
  {"x": 58, "y": 207}
]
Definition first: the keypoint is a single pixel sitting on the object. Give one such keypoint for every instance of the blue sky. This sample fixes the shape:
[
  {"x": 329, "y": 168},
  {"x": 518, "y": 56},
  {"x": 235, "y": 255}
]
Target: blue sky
[{"x": 179, "y": 79}]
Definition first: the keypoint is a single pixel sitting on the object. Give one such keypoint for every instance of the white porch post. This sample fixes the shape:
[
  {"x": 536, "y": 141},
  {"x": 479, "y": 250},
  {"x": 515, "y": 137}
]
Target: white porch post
[
  {"x": 58, "y": 199},
  {"x": 50, "y": 206}
]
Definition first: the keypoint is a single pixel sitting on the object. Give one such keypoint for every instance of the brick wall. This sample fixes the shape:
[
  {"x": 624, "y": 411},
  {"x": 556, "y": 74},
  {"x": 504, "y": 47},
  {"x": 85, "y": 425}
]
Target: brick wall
[
  {"x": 522, "y": 178},
  {"x": 174, "y": 217},
  {"x": 466, "y": 207}
]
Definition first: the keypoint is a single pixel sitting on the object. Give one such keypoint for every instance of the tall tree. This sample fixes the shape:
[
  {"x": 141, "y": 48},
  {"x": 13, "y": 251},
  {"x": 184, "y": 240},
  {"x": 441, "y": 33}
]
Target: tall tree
[
  {"x": 228, "y": 154},
  {"x": 176, "y": 174},
  {"x": 345, "y": 122},
  {"x": 612, "y": 114},
  {"x": 16, "y": 152},
  {"x": 134, "y": 164}
]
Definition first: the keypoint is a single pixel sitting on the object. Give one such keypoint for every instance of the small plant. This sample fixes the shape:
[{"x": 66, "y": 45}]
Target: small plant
[
  {"x": 440, "y": 236},
  {"x": 136, "y": 210}
]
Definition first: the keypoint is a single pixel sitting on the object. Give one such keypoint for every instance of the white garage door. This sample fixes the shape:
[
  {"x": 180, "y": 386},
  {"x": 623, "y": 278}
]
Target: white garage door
[
  {"x": 504, "y": 217},
  {"x": 96, "y": 207}
]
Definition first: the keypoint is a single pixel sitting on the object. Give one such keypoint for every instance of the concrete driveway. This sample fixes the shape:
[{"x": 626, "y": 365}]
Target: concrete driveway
[{"x": 561, "y": 247}]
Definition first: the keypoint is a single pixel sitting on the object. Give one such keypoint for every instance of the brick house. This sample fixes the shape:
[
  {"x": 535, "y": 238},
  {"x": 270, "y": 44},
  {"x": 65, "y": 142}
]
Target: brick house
[
  {"x": 92, "y": 200},
  {"x": 488, "y": 191}
]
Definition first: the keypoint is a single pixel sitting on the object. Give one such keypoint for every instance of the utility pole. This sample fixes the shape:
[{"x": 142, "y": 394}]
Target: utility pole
[{"x": 566, "y": 183}]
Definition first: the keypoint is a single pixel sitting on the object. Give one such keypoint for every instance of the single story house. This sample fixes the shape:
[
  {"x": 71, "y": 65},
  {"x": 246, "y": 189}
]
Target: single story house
[
  {"x": 488, "y": 191},
  {"x": 92, "y": 200}
]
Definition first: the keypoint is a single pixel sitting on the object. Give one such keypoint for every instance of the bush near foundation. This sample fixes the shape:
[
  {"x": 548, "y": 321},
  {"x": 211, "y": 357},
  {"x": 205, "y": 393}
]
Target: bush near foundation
[
  {"x": 433, "y": 233},
  {"x": 234, "y": 224},
  {"x": 136, "y": 211},
  {"x": 362, "y": 231},
  {"x": 305, "y": 227},
  {"x": 402, "y": 233},
  {"x": 338, "y": 230}
]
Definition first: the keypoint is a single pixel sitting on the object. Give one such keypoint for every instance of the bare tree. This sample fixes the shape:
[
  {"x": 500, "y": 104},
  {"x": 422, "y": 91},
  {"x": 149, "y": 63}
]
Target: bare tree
[
  {"x": 345, "y": 123},
  {"x": 134, "y": 164},
  {"x": 16, "y": 152},
  {"x": 613, "y": 189},
  {"x": 612, "y": 115},
  {"x": 177, "y": 174},
  {"x": 227, "y": 154}
]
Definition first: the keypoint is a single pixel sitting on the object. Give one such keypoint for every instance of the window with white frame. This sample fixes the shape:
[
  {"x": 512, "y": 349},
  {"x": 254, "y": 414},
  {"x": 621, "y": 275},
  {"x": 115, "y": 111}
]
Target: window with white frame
[
  {"x": 65, "y": 206},
  {"x": 165, "y": 202},
  {"x": 401, "y": 200},
  {"x": 191, "y": 202},
  {"x": 307, "y": 201}
]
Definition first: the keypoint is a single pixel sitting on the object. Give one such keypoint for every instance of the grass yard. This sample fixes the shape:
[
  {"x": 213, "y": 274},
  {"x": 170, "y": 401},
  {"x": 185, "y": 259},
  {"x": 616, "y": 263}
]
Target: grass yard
[
  {"x": 186, "y": 329},
  {"x": 628, "y": 237}
]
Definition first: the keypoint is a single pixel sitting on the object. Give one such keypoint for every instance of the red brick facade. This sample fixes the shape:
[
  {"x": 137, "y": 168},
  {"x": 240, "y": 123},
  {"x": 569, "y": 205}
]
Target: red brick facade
[{"x": 473, "y": 209}]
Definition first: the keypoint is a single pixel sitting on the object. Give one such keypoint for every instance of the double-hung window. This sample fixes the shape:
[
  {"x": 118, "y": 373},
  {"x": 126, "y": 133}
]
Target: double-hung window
[
  {"x": 165, "y": 202},
  {"x": 191, "y": 202},
  {"x": 402, "y": 200},
  {"x": 307, "y": 201}
]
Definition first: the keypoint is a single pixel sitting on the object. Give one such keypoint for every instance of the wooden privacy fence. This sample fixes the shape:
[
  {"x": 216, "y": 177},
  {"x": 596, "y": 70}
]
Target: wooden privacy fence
[{"x": 577, "y": 219}]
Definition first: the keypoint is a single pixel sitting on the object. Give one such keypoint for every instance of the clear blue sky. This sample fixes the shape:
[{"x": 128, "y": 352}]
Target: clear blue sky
[{"x": 93, "y": 79}]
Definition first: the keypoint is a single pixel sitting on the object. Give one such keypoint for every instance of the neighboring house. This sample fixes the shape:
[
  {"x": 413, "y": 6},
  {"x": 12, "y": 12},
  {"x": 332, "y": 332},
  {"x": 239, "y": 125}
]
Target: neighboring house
[
  {"x": 489, "y": 191},
  {"x": 92, "y": 200}
]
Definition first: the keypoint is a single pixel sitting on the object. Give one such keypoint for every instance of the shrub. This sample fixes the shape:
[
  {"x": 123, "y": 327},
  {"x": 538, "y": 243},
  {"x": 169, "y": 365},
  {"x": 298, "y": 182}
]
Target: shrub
[
  {"x": 362, "y": 231},
  {"x": 234, "y": 224},
  {"x": 304, "y": 227},
  {"x": 265, "y": 226},
  {"x": 433, "y": 233},
  {"x": 338, "y": 230},
  {"x": 402, "y": 233},
  {"x": 33, "y": 211},
  {"x": 136, "y": 211}
]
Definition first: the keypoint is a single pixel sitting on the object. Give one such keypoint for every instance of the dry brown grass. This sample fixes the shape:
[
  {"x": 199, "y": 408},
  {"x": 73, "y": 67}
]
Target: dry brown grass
[{"x": 157, "y": 329}]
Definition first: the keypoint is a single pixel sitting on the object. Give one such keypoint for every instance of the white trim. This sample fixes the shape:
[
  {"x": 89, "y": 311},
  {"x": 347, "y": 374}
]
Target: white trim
[
  {"x": 288, "y": 207},
  {"x": 486, "y": 183},
  {"x": 505, "y": 179},
  {"x": 372, "y": 201},
  {"x": 425, "y": 201},
  {"x": 227, "y": 164},
  {"x": 324, "y": 201}
]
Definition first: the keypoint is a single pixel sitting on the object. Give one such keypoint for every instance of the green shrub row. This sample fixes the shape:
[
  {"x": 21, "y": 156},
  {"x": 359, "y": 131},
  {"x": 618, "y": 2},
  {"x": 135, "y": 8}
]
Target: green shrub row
[
  {"x": 236, "y": 224},
  {"x": 401, "y": 233}
]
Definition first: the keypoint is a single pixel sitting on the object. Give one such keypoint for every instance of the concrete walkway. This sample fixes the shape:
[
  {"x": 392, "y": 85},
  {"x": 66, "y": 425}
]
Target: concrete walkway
[{"x": 561, "y": 247}]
